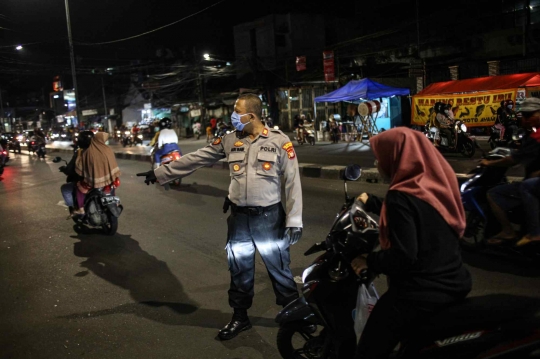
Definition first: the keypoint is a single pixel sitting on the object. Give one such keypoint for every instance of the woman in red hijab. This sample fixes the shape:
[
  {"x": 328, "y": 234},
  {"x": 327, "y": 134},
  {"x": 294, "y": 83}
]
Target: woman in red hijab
[{"x": 421, "y": 221}]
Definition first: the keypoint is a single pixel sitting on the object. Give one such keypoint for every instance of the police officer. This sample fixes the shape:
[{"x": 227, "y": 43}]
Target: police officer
[{"x": 257, "y": 157}]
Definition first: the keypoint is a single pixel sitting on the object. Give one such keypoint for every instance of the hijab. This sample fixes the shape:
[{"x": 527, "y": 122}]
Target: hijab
[
  {"x": 97, "y": 163},
  {"x": 416, "y": 167}
]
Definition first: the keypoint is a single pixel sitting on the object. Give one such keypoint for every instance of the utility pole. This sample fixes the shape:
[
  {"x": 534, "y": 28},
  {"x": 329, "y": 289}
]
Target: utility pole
[
  {"x": 104, "y": 98},
  {"x": 73, "y": 72}
]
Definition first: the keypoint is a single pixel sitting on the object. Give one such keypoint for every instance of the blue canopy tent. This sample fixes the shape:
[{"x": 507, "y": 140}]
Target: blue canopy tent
[
  {"x": 362, "y": 89},
  {"x": 357, "y": 91}
]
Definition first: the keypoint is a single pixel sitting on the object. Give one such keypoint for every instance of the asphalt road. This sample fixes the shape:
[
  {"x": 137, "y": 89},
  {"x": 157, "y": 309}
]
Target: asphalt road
[
  {"x": 327, "y": 154},
  {"x": 158, "y": 288}
]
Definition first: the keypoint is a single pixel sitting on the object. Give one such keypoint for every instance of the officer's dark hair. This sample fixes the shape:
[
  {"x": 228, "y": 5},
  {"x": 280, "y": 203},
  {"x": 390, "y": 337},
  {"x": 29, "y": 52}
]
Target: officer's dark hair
[{"x": 253, "y": 103}]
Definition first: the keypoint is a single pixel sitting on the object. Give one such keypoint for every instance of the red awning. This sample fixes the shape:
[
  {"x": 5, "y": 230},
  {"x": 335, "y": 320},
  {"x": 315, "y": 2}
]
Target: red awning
[{"x": 502, "y": 82}]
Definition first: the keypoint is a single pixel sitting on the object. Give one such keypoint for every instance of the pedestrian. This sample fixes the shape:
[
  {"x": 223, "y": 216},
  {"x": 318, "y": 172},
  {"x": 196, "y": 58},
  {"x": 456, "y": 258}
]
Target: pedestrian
[
  {"x": 257, "y": 156},
  {"x": 421, "y": 221}
]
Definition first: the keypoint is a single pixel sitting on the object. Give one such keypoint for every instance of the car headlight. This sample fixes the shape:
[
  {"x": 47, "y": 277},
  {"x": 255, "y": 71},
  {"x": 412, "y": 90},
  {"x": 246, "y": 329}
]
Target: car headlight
[
  {"x": 463, "y": 127},
  {"x": 308, "y": 271},
  {"x": 63, "y": 135}
]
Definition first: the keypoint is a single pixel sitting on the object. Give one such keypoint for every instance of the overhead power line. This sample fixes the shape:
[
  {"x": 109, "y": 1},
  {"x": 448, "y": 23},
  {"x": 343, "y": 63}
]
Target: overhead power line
[{"x": 151, "y": 31}]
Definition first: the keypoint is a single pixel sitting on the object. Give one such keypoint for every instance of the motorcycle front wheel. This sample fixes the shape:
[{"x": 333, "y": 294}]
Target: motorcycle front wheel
[
  {"x": 468, "y": 149},
  {"x": 312, "y": 141},
  {"x": 294, "y": 343}
]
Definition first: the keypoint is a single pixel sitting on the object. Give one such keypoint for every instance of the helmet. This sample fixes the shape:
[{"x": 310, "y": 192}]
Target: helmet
[
  {"x": 509, "y": 104},
  {"x": 439, "y": 107},
  {"x": 165, "y": 123},
  {"x": 84, "y": 139}
]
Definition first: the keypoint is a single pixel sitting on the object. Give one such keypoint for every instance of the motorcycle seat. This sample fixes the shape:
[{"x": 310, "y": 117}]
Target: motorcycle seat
[{"x": 477, "y": 313}]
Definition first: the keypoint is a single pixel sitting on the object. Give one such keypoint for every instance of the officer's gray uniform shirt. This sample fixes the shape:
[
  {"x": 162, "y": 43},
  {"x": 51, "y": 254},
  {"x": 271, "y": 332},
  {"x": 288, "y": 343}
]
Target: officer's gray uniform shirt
[{"x": 256, "y": 167}]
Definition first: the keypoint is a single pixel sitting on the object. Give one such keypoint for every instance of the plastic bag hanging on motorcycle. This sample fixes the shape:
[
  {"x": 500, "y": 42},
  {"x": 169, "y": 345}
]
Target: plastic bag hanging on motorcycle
[{"x": 365, "y": 301}]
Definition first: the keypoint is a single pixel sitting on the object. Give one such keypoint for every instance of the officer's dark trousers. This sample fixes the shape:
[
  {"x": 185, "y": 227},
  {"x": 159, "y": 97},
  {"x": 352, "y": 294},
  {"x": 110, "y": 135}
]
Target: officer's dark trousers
[{"x": 263, "y": 231}]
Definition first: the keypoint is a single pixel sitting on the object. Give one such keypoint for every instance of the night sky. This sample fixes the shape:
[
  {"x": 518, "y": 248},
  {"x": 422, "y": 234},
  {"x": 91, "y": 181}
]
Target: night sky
[{"x": 41, "y": 25}]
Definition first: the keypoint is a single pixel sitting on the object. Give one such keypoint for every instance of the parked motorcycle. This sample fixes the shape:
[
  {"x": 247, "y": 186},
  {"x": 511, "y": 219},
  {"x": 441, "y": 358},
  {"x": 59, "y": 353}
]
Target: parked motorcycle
[
  {"x": 320, "y": 324},
  {"x": 481, "y": 223},
  {"x": 463, "y": 142},
  {"x": 101, "y": 207}
]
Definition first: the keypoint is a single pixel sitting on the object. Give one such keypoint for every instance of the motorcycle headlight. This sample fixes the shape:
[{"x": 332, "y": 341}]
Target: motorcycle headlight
[
  {"x": 139, "y": 136},
  {"x": 126, "y": 133},
  {"x": 19, "y": 138},
  {"x": 63, "y": 135},
  {"x": 308, "y": 271},
  {"x": 463, "y": 127}
]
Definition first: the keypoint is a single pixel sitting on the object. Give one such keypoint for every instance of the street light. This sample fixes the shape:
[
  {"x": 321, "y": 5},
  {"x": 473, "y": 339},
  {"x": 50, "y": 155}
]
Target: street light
[
  {"x": 19, "y": 48},
  {"x": 206, "y": 56}
]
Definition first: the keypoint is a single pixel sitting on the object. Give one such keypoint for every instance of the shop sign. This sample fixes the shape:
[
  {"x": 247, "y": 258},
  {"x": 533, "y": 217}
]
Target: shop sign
[
  {"x": 328, "y": 65},
  {"x": 474, "y": 109},
  {"x": 195, "y": 113},
  {"x": 533, "y": 91},
  {"x": 89, "y": 112},
  {"x": 300, "y": 63}
]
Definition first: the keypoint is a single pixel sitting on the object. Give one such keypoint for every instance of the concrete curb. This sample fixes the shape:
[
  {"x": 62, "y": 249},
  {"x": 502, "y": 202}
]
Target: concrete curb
[{"x": 311, "y": 170}]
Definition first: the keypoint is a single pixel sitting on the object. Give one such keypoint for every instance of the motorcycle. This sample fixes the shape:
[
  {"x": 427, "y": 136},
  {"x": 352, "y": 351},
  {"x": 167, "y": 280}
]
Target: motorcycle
[
  {"x": 101, "y": 207},
  {"x": 309, "y": 134},
  {"x": 38, "y": 149},
  {"x": 463, "y": 142},
  {"x": 481, "y": 223},
  {"x": 127, "y": 139},
  {"x": 165, "y": 158},
  {"x": 4, "y": 158},
  {"x": 319, "y": 324},
  {"x": 222, "y": 130},
  {"x": 509, "y": 139}
]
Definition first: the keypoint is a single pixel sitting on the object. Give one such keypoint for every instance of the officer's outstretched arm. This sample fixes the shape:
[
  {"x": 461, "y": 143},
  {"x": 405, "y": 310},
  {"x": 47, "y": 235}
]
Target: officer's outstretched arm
[
  {"x": 186, "y": 165},
  {"x": 293, "y": 187}
]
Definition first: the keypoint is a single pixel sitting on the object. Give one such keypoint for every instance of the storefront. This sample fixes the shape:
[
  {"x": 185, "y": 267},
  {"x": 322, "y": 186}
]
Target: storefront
[{"x": 475, "y": 101}]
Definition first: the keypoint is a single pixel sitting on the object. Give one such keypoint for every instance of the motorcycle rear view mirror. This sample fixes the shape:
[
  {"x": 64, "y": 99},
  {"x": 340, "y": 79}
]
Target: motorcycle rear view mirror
[
  {"x": 57, "y": 159},
  {"x": 352, "y": 172}
]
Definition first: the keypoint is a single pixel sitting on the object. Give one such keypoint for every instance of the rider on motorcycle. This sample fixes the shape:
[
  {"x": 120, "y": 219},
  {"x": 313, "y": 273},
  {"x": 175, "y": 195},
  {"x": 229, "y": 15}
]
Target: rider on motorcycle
[
  {"x": 67, "y": 188},
  {"x": 507, "y": 117},
  {"x": 166, "y": 141},
  {"x": 509, "y": 196},
  {"x": 421, "y": 221},
  {"x": 299, "y": 127},
  {"x": 97, "y": 166},
  {"x": 444, "y": 120}
]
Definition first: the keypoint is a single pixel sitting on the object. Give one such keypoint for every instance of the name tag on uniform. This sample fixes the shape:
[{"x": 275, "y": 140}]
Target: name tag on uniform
[
  {"x": 268, "y": 149},
  {"x": 237, "y": 149}
]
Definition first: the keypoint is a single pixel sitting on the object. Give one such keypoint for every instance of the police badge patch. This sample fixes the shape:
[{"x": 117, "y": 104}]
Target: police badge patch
[
  {"x": 267, "y": 166},
  {"x": 290, "y": 150}
]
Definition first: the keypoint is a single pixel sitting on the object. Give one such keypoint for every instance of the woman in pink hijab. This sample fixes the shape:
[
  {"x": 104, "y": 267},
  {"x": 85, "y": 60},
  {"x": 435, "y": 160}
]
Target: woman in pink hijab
[{"x": 421, "y": 221}]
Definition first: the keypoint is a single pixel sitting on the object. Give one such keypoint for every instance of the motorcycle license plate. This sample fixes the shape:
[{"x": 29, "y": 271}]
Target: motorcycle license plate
[{"x": 110, "y": 199}]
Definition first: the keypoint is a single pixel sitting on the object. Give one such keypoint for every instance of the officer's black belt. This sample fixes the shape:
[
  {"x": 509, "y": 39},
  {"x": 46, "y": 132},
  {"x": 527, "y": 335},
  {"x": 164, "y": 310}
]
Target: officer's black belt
[{"x": 253, "y": 211}]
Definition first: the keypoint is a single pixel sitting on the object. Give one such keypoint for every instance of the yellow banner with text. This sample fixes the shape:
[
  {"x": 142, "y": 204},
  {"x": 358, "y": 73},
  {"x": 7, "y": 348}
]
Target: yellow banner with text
[{"x": 475, "y": 110}]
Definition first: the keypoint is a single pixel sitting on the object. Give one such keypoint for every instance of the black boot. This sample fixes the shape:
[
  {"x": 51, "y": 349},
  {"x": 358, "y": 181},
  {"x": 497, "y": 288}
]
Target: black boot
[{"x": 238, "y": 323}]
